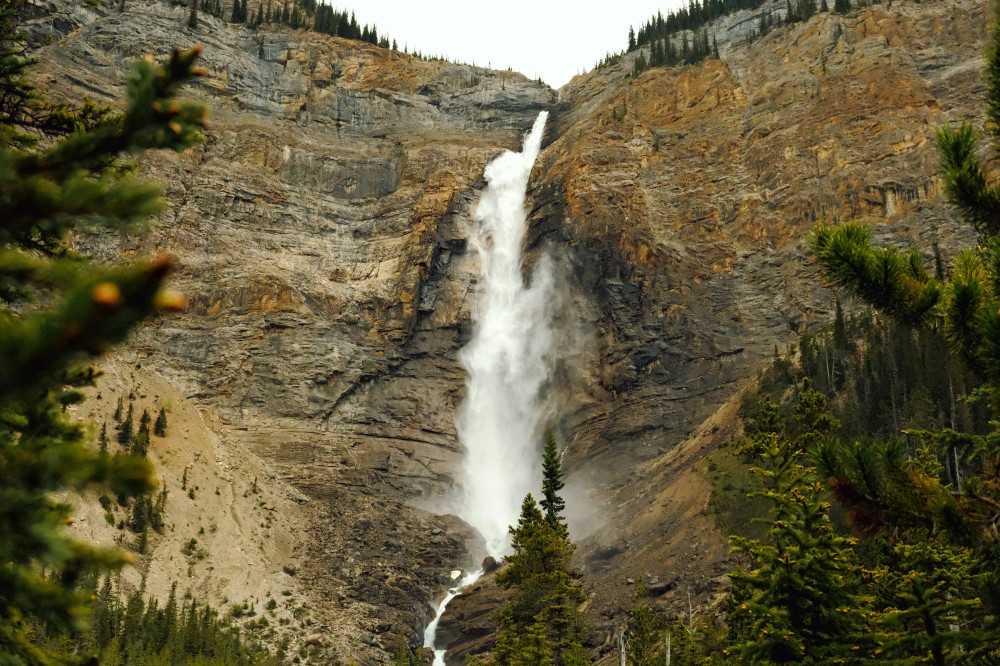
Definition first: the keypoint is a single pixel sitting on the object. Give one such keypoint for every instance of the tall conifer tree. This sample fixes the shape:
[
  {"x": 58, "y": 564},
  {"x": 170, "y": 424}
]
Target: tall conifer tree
[
  {"x": 552, "y": 503},
  {"x": 799, "y": 600},
  {"x": 541, "y": 622},
  {"x": 160, "y": 426},
  {"x": 126, "y": 431}
]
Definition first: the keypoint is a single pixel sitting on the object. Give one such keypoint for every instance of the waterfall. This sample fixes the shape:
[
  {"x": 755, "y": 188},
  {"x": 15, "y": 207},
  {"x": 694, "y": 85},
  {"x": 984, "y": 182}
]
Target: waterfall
[
  {"x": 507, "y": 364},
  {"x": 507, "y": 358}
]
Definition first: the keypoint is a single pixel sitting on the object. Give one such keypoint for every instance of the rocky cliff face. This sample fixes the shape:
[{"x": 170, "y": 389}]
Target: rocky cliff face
[
  {"x": 322, "y": 235},
  {"x": 683, "y": 197},
  {"x": 688, "y": 191}
]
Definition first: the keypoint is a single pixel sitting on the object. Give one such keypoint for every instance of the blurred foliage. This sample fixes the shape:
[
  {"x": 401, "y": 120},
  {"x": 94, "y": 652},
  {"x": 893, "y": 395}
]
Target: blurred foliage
[{"x": 61, "y": 168}]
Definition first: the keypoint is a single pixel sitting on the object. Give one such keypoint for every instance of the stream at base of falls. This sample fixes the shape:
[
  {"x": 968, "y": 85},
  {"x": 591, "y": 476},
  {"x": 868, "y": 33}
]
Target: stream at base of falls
[{"x": 430, "y": 633}]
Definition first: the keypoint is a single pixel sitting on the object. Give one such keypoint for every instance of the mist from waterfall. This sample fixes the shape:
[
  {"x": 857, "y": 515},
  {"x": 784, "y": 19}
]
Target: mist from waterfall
[{"x": 507, "y": 359}]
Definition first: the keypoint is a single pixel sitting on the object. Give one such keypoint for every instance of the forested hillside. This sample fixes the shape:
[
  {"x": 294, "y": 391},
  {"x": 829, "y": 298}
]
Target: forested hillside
[{"x": 870, "y": 456}]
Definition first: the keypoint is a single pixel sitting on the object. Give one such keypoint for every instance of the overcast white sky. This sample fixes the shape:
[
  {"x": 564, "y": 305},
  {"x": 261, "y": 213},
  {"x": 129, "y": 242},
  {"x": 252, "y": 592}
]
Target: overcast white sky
[{"x": 553, "y": 40}]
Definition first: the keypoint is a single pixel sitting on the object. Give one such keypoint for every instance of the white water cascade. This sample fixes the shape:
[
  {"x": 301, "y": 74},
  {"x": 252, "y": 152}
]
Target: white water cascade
[
  {"x": 430, "y": 633},
  {"x": 507, "y": 364},
  {"x": 507, "y": 358}
]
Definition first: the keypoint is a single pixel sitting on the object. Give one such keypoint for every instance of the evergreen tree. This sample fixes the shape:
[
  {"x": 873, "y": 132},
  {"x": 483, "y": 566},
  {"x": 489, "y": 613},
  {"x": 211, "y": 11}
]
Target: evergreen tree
[
  {"x": 402, "y": 656},
  {"x": 325, "y": 20},
  {"x": 656, "y": 54},
  {"x": 764, "y": 24},
  {"x": 644, "y": 632},
  {"x": 798, "y": 601},
  {"x": 192, "y": 21},
  {"x": 535, "y": 646},
  {"x": 125, "y": 429},
  {"x": 814, "y": 423},
  {"x": 841, "y": 6},
  {"x": 86, "y": 307},
  {"x": 639, "y": 65},
  {"x": 135, "y": 609},
  {"x": 842, "y": 345},
  {"x": 552, "y": 503},
  {"x": 142, "y": 508},
  {"x": 104, "y": 624},
  {"x": 760, "y": 430},
  {"x": 541, "y": 622},
  {"x": 160, "y": 427},
  {"x": 158, "y": 508},
  {"x": 805, "y": 9},
  {"x": 167, "y": 628},
  {"x": 140, "y": 444},
  {"x": 934, "y": 611},
  {"x": 102, "y": 439}
]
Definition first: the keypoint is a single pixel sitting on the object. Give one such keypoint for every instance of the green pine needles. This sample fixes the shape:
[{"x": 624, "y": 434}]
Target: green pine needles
[
  {"x": 83, "y": 308},
  {"x": 890, "y": 280},
  {"x": 799, "y": 603},
  {"x": 930, "y": 506}
]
